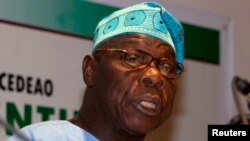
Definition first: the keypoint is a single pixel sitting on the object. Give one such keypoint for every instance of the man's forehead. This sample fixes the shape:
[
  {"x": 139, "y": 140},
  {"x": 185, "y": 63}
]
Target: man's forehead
[
  {"x": 136, "y": 39},
  {"x": 139, "y": 42}
]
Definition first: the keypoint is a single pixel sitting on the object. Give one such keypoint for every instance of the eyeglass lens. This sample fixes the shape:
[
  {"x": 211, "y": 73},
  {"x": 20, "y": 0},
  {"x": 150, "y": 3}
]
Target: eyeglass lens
[{"x": 140, "y": 60}]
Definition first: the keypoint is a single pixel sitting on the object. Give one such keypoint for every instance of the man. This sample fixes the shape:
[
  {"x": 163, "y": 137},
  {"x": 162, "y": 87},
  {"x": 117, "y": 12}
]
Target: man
[{"x": 131, "y": 79}]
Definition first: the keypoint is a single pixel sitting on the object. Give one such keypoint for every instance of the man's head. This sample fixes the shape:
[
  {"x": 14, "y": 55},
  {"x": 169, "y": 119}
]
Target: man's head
[
  {"x": 146, "y": 18},
  {"x": 131, "y": 76}
]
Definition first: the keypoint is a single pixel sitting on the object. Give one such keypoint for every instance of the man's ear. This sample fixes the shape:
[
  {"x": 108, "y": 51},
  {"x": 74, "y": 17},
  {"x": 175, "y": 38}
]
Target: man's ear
[{"x": 88, "y": 69}]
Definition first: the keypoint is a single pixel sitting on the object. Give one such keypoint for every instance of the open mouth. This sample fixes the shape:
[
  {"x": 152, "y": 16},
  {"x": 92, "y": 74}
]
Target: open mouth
[
  {"x": 148, "y": 105},
  {"x": 149, "y": 108}
]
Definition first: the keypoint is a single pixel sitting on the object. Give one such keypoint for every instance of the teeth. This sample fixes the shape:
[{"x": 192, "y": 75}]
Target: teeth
[{"x": 148, "y": 104}]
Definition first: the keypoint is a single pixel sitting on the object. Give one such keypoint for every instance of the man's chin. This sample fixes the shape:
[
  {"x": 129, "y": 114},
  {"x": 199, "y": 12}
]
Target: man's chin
[
  {"x": 141, "y": 120},
  {"x": 143, "y": 126}
]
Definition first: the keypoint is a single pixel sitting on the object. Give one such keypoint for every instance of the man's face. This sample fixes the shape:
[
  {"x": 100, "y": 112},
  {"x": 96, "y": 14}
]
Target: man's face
[{"x": 130, "y": 99}]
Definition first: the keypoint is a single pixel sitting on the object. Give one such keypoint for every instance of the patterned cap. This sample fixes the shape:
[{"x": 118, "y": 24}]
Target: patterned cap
[{"x": 147, "y": 18}]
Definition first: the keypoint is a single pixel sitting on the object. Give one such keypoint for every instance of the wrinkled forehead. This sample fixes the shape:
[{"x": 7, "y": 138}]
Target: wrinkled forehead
[{"x": 141, "y": 42}]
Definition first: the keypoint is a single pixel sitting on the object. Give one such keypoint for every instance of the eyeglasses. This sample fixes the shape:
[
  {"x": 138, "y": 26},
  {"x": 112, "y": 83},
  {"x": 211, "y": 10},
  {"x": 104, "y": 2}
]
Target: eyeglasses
[{"x": 140, "y": 60}]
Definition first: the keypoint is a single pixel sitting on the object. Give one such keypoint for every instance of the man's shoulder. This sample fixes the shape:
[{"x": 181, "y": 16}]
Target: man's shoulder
[
  {"x": 53, "y": 131},
  {"x": 56, "y": 127},
  {"x": 49, "y": 124}
]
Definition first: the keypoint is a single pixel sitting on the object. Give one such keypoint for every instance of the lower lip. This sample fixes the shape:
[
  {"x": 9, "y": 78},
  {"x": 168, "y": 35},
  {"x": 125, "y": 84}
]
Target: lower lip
[{"x": 147, "y": 111}]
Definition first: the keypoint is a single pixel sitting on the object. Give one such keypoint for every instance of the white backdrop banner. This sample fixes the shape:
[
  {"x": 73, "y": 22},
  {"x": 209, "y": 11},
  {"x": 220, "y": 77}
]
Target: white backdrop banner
[{"x": 40, "y": 75}]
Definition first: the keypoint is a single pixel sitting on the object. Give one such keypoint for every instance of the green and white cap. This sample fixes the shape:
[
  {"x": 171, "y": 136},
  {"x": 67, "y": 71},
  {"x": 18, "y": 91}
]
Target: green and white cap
[{"x": 147, "y": 18}]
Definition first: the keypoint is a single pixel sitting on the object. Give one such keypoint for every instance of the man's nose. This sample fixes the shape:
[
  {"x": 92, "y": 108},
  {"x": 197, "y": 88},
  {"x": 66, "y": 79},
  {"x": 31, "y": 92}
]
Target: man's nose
[{"x": 153, "y": 78}]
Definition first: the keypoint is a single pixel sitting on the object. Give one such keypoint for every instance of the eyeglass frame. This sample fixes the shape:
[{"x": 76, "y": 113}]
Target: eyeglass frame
[{"x": 179, "y": 67}]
